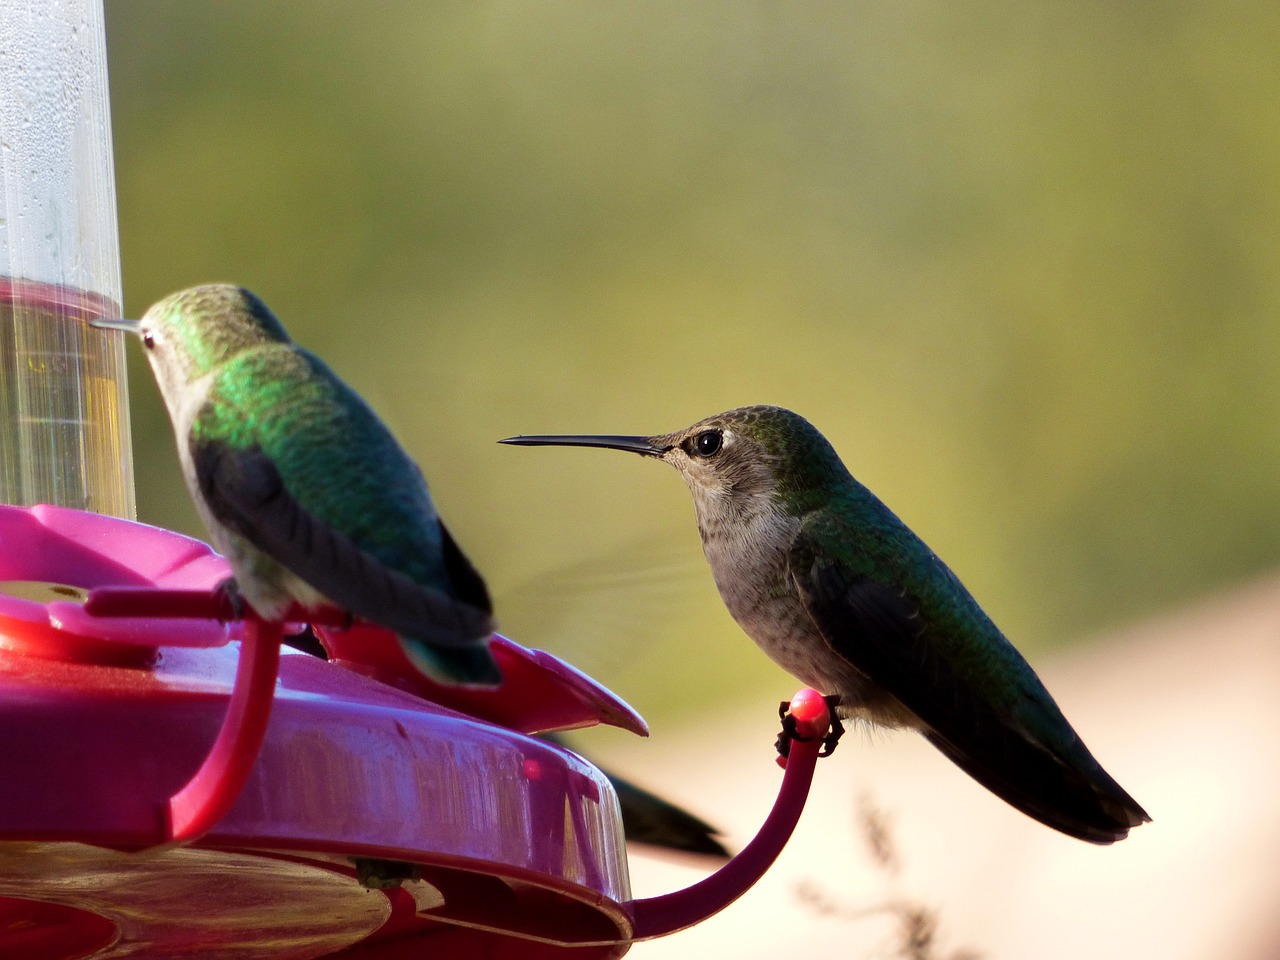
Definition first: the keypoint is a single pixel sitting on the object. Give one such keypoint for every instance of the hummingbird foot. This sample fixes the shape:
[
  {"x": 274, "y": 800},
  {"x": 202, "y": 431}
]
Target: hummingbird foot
[
  {"x": 837, "y": 728},
  {"x": 790, "y": 733},
  {"x": 233, "y": 603},
  {"x": 375, "y": 874}
]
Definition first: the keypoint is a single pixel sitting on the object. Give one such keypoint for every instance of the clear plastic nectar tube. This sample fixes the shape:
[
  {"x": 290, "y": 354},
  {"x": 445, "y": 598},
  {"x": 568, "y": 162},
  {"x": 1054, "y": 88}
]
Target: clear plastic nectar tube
[{"x": 64, "y": 419}]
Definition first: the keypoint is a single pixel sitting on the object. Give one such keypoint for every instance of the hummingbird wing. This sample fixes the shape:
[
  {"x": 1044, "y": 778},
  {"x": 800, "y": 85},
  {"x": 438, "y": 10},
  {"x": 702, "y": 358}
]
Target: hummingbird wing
[
  {"x": 887, "y": 636},
  {"x": 468, "y": 584},
  {"x": 245, "y": 492}
]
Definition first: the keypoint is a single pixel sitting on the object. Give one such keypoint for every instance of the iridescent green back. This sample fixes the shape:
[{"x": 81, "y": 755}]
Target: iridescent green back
[{"x": 337, "y": 459}]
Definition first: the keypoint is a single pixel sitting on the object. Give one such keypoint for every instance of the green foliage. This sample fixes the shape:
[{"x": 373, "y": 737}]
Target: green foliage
[{"x": 1017, "y": 261}]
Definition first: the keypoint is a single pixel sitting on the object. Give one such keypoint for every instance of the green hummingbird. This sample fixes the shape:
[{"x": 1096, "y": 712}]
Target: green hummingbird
[
  {"x": 844, "y": 596},
  {"x": 303, "y": 489}
]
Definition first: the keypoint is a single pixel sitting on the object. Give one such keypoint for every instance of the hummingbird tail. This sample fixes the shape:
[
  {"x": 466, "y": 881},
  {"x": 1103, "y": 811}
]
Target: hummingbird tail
[
  {"x": 649, "y": 819},
  {"x": 1083, "y": 803},
  {"x": 455, "y": 666}
]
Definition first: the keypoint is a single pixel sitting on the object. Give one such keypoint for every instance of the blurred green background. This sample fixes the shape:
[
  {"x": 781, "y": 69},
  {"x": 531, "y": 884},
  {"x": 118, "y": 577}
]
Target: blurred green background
[{"x": 1017, "y": 261}]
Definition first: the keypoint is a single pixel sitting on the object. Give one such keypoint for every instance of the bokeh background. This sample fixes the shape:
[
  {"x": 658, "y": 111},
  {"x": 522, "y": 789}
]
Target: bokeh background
[{"x": 1017, "y": 261}]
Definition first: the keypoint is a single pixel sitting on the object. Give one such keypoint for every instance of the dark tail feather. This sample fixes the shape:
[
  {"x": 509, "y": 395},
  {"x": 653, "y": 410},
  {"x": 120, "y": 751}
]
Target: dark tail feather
[
  {"x": 455, "y": 666},
  {"x": 1083, "y": 803},
  {"x": 648, "y": 819},
  {"x": 651, "y": 820}
]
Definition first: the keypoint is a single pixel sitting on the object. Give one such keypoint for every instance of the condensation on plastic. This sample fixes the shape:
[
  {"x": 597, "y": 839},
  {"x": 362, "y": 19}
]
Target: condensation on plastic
[{"x": 64, "y": 424}]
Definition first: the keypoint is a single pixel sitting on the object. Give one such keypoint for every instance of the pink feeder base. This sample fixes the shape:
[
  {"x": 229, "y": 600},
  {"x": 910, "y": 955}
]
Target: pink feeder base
[{"x": 103, "y": 720}]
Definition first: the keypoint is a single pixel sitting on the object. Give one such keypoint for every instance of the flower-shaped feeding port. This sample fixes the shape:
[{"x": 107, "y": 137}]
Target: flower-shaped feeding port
[{"x": 149, "y": 808}]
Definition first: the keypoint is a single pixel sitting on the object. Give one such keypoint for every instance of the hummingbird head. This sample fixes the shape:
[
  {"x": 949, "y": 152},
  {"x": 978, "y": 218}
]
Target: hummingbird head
[
  {"x": 735, "y": 463},
  {"x": 191, "y": 333}
]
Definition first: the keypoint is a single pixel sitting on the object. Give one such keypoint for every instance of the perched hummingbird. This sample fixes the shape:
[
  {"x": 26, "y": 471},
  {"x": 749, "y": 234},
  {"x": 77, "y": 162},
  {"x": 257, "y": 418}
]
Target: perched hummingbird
[
  {"x": 303, "y": 489},
  {"x": 840, "y": 593}
]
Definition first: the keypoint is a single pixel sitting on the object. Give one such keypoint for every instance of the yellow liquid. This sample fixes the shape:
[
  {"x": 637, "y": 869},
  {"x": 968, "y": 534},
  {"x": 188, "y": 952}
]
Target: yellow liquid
[{"x": 64, "y": 425}]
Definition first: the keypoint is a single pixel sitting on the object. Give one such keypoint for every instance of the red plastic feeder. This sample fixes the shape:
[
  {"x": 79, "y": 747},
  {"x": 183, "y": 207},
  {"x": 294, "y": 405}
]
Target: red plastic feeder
[{"x": 169, "y": 792}]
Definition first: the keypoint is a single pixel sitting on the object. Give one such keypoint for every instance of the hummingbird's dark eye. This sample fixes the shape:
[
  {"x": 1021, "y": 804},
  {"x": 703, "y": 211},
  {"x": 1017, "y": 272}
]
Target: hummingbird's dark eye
[
  {"x": 708, "y": 443},
  {"x": 148, "y": 339}
]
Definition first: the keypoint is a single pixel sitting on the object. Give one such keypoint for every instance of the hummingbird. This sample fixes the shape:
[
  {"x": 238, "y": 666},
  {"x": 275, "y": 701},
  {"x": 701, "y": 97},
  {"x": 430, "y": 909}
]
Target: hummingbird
[
  {"x": 844, "y": 596},
  {"x": 303, "y": 489}
]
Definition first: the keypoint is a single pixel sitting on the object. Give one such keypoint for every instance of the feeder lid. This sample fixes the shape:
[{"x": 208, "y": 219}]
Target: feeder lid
[
  {"x": 103, "y": 719},
  {"x": 51, "y": 558}
]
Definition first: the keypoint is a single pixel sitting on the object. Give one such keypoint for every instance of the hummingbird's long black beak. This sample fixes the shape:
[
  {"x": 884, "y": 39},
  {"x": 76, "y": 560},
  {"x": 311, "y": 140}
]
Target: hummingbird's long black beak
[
  {"x": 641, "y": 445},
  {"x": 115, "y": 323}
]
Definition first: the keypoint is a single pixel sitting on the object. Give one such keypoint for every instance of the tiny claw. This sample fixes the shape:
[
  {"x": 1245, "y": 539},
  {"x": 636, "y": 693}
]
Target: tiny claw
[
  {"x": 837, "y": 728},
  {"x": 831, "y": 739},
  {"x": 810, "y": 705},
  {"x": 790, "y": 732},
  {"x": 233, "y": 603},
  {"x": 786, "y": 736}
]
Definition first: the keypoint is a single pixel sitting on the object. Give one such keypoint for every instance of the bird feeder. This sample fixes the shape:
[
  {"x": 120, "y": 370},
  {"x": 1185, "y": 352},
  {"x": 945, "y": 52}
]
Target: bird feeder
[{"x": 175, "y": 784}]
